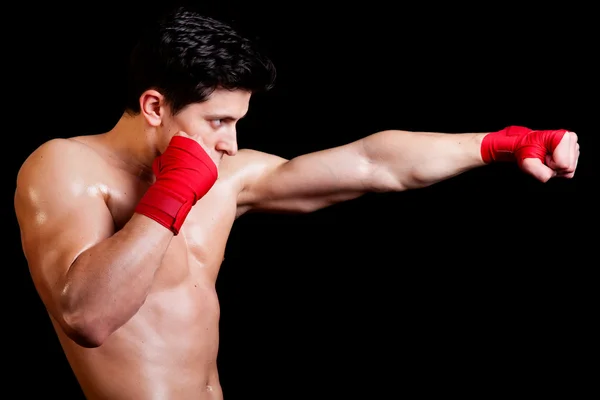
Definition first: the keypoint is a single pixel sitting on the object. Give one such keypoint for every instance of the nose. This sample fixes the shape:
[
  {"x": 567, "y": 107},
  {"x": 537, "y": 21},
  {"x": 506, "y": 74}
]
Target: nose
[{"x": 228, "y": 145}]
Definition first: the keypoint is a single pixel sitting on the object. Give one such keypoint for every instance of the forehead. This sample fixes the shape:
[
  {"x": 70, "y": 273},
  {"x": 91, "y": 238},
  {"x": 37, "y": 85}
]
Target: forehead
[{"x": 232, "y": 103}]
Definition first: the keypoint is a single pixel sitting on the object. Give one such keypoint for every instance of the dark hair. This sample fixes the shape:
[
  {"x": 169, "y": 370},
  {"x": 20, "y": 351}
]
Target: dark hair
[{"x": 186, "y": 56}]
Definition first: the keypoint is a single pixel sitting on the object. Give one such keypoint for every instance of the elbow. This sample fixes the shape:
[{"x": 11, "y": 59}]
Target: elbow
[
  {"x": 80, "y": 324},
  {"x": 82, "y": 330},
  {"x": 394, "y": 180},
  {"x": 415, "y": 181},
  {"x": 383, "y": 180},
  {"x": 380, "y": 177}
]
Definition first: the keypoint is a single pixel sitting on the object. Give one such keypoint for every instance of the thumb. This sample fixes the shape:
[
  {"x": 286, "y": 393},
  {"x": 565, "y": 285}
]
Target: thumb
[{"x": 535, "y": 167}]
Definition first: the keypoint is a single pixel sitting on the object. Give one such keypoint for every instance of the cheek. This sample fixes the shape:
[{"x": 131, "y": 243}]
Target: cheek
[{"x": 191, "y": 126}]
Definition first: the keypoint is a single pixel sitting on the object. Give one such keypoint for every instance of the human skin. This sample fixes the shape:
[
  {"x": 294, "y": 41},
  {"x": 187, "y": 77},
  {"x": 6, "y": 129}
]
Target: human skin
[{"x": 135, "y": 306}]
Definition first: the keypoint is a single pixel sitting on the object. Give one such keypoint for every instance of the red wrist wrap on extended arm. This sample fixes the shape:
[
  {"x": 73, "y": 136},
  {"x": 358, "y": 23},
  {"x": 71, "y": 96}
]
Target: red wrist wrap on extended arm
[
  {"x": 184, "y": 174},
  {"x": 516, "y": 143}
]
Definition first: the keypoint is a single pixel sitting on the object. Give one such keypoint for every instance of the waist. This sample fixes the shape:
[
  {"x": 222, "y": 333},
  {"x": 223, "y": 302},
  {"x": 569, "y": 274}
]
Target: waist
[
  {"x": 167, "y": 350},
  {"x": 144, "y": 381},
  {"x": 130, "y": 365}
]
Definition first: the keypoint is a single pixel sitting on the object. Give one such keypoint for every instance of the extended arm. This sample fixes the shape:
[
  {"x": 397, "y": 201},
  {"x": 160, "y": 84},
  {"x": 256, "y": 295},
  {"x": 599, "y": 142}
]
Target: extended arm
[{"x": 383, "y": 162}]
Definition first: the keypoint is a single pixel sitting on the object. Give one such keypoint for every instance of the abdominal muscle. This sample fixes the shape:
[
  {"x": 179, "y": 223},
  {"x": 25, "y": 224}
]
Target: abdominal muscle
[{"x": 168, "y": 350}]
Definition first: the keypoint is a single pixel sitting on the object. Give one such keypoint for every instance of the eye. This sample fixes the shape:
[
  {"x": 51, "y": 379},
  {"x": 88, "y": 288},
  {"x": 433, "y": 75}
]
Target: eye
[{"x": 217, "y": 122}]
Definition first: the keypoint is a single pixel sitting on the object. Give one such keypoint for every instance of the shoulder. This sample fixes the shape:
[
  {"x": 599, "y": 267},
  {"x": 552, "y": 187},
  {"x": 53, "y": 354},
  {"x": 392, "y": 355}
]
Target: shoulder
[
  {"x": 54, "y": 163},
  {"x": 248, "y": 165},
  {"x": 57, "y": 153}
]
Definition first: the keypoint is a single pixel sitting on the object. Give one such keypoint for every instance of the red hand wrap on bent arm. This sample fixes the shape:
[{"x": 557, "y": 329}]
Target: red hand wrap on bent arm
[
  {"x": 184, "y": 174},
  {"x": 516, "y": 143}
]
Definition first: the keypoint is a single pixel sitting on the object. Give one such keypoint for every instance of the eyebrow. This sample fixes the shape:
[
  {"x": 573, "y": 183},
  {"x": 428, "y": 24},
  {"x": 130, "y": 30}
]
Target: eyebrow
[{"x": 223, "y": 116}]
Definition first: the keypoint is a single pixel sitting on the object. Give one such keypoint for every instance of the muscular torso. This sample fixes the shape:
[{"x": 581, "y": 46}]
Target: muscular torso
[{"x": 168, "y": 350}]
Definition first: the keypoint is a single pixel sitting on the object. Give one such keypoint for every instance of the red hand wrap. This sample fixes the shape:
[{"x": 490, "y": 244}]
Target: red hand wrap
[
  {"x": 516, "y": 143},
  {"x": 184, "y": 173}
]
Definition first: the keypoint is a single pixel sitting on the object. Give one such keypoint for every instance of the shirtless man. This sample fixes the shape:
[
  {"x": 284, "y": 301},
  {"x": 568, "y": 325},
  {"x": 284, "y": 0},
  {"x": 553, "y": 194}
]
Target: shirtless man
[{"x": 124, "y": 232}]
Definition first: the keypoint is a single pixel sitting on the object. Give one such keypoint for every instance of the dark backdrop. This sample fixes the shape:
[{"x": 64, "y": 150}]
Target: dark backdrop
[{"x": 473, "y": 286}]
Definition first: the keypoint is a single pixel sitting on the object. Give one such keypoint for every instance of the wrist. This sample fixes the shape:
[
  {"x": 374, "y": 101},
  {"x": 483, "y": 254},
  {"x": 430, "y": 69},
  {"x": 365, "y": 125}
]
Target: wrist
[
  {"x": 499, "y": 146},
  {"x": 478, "y": 139}
]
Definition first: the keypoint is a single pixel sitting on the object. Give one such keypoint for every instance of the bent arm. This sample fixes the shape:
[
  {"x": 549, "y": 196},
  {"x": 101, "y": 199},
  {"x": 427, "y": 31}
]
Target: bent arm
[
  {"x": 108, "y": 283},
  {"x": 91, "y": 279},
  {"x": 382, "y": 162}
]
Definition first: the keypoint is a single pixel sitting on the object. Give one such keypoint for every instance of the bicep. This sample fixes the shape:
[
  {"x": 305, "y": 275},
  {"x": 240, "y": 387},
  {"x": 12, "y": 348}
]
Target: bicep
[
  {"x": 59, "y": 218},
  {"x": 309, "y": 182}
]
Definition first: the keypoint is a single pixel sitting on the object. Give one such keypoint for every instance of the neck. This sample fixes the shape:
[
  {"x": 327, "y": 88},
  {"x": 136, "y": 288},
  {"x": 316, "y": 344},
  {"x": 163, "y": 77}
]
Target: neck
[{"x": 134, "y": 143}]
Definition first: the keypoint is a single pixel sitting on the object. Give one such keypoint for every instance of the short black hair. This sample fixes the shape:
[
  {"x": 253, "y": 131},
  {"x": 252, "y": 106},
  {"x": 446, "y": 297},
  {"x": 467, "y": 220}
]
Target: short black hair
[{"x": 186, "y": 56}]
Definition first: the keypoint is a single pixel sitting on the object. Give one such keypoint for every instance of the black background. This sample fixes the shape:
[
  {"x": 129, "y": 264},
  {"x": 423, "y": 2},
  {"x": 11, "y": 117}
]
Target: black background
[{"x": 476, "y": 286}]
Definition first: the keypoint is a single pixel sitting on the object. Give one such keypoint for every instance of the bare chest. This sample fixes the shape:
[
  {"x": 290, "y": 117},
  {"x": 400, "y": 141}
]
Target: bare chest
[
  {"x": 197, "y": 252},
  {"x": 204, "y": 234}
]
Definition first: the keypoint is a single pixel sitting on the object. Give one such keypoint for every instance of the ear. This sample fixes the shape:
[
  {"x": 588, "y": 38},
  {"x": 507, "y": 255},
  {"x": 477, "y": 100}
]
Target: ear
[{"x": 152, "y": 106}]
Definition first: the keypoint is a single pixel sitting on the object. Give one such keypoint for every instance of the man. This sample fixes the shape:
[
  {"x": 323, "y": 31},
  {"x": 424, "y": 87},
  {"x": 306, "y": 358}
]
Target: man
[{"x": 125, "y": 231}]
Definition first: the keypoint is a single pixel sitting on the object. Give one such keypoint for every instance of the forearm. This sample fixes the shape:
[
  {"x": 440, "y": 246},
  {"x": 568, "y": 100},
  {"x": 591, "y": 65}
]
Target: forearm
[
  {"x": 109, "y": 282},
  {"x": 410, "y": 160}
]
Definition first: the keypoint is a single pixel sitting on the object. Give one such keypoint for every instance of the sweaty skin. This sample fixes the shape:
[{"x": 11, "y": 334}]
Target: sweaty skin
[{"x": 167, "y": 348}]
